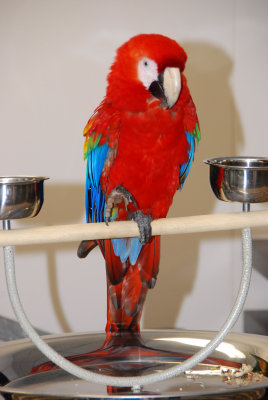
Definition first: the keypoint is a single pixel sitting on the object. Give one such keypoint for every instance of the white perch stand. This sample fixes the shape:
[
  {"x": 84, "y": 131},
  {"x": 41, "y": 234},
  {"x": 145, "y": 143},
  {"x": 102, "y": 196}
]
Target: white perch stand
[{"x": 70, "y": 233}]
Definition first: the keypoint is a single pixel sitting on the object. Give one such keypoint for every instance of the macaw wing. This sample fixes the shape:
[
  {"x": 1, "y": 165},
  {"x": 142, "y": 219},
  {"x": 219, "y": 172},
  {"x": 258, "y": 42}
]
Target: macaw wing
[
  {"x": 193, "y": 136},
  {"x": 100, "y": 148}
]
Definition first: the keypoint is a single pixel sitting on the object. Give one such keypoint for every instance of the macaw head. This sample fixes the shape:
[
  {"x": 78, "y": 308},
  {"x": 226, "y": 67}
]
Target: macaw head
[{"x": 147, "y": 67}]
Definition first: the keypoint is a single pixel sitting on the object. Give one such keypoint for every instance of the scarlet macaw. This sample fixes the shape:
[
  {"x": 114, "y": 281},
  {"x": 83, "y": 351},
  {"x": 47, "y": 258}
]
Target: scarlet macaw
[{"x": 139, "y": 147}]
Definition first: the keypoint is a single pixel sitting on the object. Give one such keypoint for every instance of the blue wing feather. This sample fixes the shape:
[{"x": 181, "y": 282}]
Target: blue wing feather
[
  {"x": 95, "y": 203},
  {"x": 193, "y": 139},
  {"x": 94, "y": 198},
  {"x": 185, "y": 168}
]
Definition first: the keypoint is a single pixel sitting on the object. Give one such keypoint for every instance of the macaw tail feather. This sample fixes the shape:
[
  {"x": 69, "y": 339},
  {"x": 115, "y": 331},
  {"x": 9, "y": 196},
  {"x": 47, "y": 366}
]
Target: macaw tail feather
[{"x": 127, "y": 285}]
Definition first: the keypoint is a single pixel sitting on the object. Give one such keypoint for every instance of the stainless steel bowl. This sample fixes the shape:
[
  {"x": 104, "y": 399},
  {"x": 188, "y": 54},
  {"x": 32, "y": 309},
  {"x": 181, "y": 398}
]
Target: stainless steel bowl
[
  {"x": 239, "y": 179},
  {"x": 20, "y": 196}
]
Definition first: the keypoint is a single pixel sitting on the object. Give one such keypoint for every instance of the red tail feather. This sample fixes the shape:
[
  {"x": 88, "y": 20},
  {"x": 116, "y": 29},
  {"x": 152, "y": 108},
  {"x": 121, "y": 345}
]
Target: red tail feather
[
  {"x": 133, "y": 291},
  {"x": 128, "y": 284},
  {"x": 148, "y": 262}
]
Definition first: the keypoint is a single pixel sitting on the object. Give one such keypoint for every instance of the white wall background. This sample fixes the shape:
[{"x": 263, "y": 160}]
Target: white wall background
[{"x": 55, "y": 55}]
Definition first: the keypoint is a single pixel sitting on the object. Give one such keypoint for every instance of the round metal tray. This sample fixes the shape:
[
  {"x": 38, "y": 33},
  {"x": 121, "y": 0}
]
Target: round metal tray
[{"x": 239, "y": 365}]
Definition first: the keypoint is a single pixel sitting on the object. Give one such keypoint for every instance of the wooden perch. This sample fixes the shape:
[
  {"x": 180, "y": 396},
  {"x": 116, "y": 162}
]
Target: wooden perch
[{"x": 165, "y": 226}]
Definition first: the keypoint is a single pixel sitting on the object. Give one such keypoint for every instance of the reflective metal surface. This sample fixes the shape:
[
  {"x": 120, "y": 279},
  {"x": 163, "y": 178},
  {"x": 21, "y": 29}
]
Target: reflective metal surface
[
  {"x": 20, "y": 196},
  {"x": 239, "y": 179},
  {"x": 224, "y": 373}
]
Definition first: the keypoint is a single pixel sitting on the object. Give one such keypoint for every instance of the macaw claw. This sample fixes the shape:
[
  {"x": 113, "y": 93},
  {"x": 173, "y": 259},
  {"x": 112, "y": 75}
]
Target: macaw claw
[
  {"x": 144, "y": 225},
  {"x": 117, "y": 195}
]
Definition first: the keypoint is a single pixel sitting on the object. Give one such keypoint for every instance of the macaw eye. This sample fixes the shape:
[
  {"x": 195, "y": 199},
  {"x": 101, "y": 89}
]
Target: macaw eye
[{"x": 147, "y": 71}]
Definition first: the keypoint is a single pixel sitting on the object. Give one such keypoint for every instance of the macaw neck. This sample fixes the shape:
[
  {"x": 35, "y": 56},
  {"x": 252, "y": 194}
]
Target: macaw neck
[{"x": 127, "y": 96}]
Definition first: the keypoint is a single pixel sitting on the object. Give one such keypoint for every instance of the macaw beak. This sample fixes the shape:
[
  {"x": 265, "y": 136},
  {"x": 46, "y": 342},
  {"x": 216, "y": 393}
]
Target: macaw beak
[{"x": 168, "y": 86}]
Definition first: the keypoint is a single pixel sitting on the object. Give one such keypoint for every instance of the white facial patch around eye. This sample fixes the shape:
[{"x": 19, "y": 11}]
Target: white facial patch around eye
[{"x": 147, "y": 71}]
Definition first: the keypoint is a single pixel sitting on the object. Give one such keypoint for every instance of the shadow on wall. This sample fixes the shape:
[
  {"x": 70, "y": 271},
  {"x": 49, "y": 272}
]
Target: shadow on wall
[
  {"x": 208, "y": 72},
  {"x": 63, "y": 204}
]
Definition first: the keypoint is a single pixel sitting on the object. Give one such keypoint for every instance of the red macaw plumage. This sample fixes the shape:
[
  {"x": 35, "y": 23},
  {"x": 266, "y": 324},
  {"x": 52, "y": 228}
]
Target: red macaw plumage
[{"x": 139, "y": 147}]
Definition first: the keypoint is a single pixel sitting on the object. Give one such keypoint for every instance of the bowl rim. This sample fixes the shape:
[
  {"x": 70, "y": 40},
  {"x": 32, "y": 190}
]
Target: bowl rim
[
  {"x": 21, "y": 179},
  {"x": 225, "y": 162}
]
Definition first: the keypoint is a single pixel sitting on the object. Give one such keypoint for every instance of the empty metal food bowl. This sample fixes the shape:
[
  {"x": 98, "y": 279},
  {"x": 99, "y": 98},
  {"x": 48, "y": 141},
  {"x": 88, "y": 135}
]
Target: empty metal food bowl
[
  {"x": 20, "y": 196},
  {"x": 239, "y": 179}
]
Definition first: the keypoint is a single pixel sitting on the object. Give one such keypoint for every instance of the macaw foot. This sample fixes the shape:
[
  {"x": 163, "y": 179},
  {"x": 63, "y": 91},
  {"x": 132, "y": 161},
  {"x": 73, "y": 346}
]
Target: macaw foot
[
  {"x": 116, "y": 196},
  {"x": 144, "y": 225}
]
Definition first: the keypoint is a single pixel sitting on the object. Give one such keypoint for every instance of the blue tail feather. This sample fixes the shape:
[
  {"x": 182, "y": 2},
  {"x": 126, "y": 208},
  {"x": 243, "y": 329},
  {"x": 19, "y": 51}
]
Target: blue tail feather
[
  {"x": 134, "y": 250},
  {"x": 127, "y": 248},
  {"x": 120, "y": 249}
]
